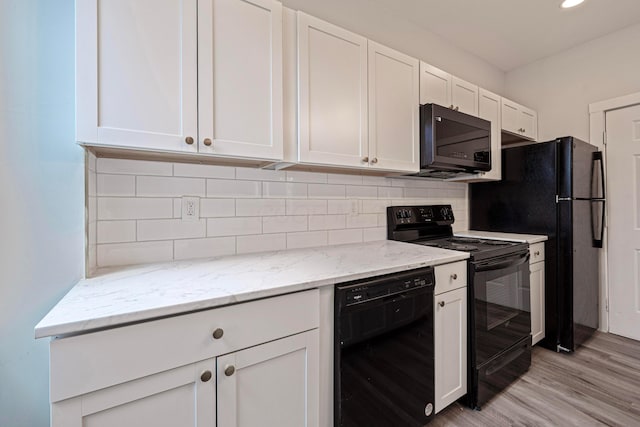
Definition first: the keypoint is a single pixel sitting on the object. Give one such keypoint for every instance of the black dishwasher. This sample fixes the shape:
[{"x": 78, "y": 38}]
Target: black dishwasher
[{"x": 383, "y": 366}]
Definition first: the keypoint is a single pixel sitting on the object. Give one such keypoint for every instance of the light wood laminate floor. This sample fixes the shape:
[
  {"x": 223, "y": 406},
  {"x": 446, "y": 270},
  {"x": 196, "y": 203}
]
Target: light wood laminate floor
[{"x": 598, "y": 385}]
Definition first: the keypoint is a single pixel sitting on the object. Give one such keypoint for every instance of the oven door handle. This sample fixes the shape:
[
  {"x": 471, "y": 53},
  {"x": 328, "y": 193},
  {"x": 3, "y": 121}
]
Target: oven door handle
[{"x": 502, "y": 263}]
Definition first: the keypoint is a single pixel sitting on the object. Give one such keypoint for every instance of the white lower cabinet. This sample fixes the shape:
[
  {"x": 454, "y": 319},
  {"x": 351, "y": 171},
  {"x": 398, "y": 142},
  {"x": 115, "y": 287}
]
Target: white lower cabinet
[
  {"x": 537, "y": 284},
  {"x": 255, "y": 363},
  {"x": 450, "y": 340}
]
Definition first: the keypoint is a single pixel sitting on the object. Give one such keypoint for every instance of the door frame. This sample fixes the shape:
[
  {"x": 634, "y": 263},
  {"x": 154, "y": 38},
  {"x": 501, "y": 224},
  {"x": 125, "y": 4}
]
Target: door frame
[{"x": 597, "y": 136}]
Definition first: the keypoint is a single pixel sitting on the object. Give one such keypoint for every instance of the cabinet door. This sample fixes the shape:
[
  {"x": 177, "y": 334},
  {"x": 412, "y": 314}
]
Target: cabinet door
[
  {"x": 537, "y": 302},
  {"x": 529, "y": 123},
  {"x": 510, "y": 116},
  {"x": 450, "y": 342},
  {"x": 273, "y": 384},
  {"x": 464, "y": 96},
  {"x": 435, "y": 85},
  {"x": 136, "y": 66},
  {"x": 240, "y": 78},
  {"x": 183, "y": 397},
  {"x": 489, "y": 109},
  {"x": 394, "y": 110},
  {"x": 332, "y": 81}
]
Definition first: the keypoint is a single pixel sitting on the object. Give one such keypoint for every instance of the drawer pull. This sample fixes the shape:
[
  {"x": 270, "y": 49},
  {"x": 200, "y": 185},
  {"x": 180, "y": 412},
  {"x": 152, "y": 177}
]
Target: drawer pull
[
  {"x": 229, "y": 370},
  {"x": 537, "y": 253},
  {"x": 441, "y": 303},
  {"x": 206, "y": 376},
  {"x": 454, "y": 276},
  {"x": 218, "y": 333}
]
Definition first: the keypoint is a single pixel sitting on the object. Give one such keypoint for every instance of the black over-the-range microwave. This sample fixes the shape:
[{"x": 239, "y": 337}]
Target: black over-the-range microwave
[{"x": 452, "y": 142}]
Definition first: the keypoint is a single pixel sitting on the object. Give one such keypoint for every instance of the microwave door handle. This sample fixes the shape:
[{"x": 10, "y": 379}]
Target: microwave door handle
[{"x": 499, "y": 264}]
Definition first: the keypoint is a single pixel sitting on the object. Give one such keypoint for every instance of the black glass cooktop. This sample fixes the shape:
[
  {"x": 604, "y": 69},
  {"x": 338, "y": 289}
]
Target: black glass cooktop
[{"x": 478, "y": 248}]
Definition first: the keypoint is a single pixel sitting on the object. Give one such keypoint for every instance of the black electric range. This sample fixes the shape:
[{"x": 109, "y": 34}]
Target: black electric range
[{"x": 499, "y": 310}]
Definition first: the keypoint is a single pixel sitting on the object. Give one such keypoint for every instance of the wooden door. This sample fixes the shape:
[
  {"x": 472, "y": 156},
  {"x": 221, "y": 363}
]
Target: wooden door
[
  {"x": 435, "y": 85},
  {"x": 536, "y": 289},
  {"x": 136, "y": 65},
  {"x": 240, "y": 78},
  {"x": 623, "y": 258},
  {"x": 394, "y": 110},
  {"x": 464, "y": 96},
  {"x": 450, "y": 342},
  {"x": 332, "y": 99},
  {"x": 182, "y": 397},
  {"x": 273, "y": 384}
]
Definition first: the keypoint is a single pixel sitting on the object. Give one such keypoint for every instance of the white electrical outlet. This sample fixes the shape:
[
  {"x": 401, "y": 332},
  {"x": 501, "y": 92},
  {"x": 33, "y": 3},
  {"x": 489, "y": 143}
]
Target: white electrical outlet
[{"x": 190, "y": 208}]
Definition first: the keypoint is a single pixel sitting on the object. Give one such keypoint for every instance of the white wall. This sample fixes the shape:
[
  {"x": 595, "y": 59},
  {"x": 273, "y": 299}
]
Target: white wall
[
  {"x": 372, "y": 20},
  {"x": 562, "y": 86},
  {"x": 41, "y": 189}
]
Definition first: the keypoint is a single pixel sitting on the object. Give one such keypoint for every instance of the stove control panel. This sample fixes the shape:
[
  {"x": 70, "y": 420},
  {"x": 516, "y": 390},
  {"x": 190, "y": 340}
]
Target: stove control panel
[{"x": 436, "y": 214}]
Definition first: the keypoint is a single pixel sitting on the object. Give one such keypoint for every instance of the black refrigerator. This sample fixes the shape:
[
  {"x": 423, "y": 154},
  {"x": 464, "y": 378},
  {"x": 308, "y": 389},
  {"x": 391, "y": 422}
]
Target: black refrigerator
[{"x": 554, "y": 188}]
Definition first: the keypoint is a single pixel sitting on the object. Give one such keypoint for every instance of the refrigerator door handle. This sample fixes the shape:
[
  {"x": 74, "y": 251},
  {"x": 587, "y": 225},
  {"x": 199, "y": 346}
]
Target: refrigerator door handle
[
  {"x": 597, "y": 157},
  {"x": 597, "y": 242}
]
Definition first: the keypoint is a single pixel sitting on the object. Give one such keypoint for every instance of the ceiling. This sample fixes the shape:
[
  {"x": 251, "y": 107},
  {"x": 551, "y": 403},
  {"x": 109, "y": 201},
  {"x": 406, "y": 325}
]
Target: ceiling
[{"x": 512, "y": 33}]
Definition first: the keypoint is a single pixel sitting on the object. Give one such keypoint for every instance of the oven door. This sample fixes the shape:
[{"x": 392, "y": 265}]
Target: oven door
[{"x": 502, "y": 309}]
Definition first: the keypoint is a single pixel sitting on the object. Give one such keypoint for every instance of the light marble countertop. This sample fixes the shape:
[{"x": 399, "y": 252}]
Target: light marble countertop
[
  {"x": 493, "y": 235},
  {"x": 117, "y": 296}
]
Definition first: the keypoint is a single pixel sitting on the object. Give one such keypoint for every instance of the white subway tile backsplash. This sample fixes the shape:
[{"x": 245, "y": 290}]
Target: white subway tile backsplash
[
  {"x": 306, "y": 239},
  {"x": 344, "y": 179},
  {"x": 157, "y": 186},
  {"x": 233, "y": 226},
  {"x": 211, "y": 208},
  {"x": 306, "y": 207},
  {"x": 231, "y": 188},
  {"x": 203, "y": 171},
  {"x": 326, "y": 191},
  {"x": 133, "y": 167},
  {"x": 327, "y": 222},
  {"x": 374, "y": 234},
  {"x": 361, "y": 191},
  {"x": 170, "y": 229},
  {"x": 338, "y": 237},
  {"x": 134, "y": 253},
  {"x": 308, "y": 177},
  {"x": 260, "y": 207},
  {"x": 134, "y": 208},
  {"x": 261, "y": 243},
  {"x": 284, "y": 189},
  {"x": 116, "y": 231},
  {"x": 362, "y": 221},
  {"x": 116, "y": 185},
  {"x": 260, "y": 174},
  {"x": 389, "y": 192},
  {"x": 282, "y": 224},
  {"x": 204, "y": 248}
]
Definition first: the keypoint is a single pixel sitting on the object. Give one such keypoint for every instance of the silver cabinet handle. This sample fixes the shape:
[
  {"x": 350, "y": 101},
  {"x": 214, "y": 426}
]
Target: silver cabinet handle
[
  {"x": 207, "y": 142},
  {"x": 206, "y": 376},
  {"x": 218, "y": 333},
  {"x": 365, "y": 159},
  {"x": 229, "y": 370},
  {"x": 454, "y": 276},
  {"x": 451, "y": 106},
  {"x": 189, "y": 140},
  {"x": 537, "y": 253},
  {"x": 457, "y": 108},
  {"x": 441, "y": 303},
  {"x": 374, "y": 160}
]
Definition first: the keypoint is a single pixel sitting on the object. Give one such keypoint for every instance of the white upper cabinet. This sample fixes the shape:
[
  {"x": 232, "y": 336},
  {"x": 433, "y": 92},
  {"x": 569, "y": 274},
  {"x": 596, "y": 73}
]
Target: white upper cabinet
[
  {"x": 181, "y": 75},
  {"x": 440, "y": 87},
  {"x": 519, "y": 120},
  {"x": 332, "y": 84},
  {"x": 136, "y": 83},
  {"x": 240, "y": 78},
  {"x": 358, "y": 101},
  {"x": 394, "y": 110}
]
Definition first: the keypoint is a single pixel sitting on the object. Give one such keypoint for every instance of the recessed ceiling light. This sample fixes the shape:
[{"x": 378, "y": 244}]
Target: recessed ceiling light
[{"x": 570, "y": 3}]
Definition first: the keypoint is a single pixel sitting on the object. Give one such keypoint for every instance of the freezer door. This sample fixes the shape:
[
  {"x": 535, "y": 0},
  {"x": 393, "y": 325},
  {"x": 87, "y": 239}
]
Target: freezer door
[{"x": 575, "y": 168}]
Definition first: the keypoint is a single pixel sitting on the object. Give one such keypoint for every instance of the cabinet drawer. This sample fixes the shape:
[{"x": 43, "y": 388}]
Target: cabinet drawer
[
  {"x": 88, "y": 362},
  {"x": 450, "y": 276},
  {"x": 537, "y": 252}
]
